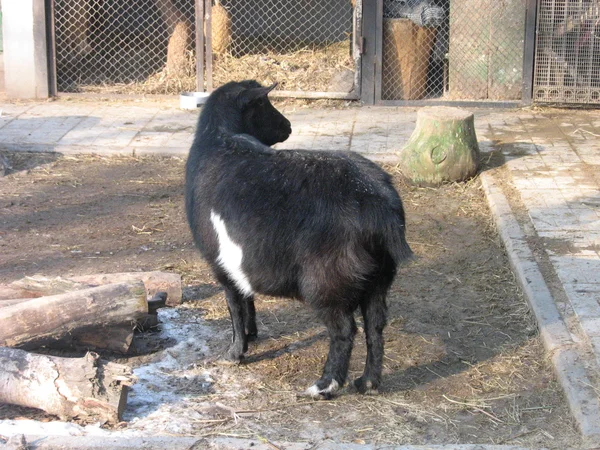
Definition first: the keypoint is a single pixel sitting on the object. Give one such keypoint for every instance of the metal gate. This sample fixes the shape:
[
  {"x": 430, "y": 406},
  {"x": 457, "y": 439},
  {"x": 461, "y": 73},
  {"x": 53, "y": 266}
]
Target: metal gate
[
  {"x": 451, "y": 51},
  {"x": 567, "y": 63}
]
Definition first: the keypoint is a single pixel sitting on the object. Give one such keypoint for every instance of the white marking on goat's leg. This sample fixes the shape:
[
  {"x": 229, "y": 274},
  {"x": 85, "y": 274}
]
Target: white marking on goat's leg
[
  {"x": 230, "y": 256},
  {"x": 315, "y": 392}
]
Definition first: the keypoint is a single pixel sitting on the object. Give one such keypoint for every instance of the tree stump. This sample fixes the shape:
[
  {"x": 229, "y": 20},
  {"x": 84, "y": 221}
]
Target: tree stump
[{"x": 442, "y": 148}]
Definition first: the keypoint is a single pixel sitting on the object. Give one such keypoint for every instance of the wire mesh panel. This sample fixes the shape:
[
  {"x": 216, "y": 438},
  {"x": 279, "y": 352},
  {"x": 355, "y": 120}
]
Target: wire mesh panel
[
  {"x": 305, "y": 46},
  {"x": 567, "y": 64},
  {"x": 125, "y": 46},
  {"x": 452, "y": 49}
]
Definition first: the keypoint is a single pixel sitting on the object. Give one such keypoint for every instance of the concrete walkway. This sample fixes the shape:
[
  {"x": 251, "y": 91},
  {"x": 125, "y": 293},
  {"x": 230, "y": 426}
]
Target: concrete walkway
[{"x": 545, "y": 197}]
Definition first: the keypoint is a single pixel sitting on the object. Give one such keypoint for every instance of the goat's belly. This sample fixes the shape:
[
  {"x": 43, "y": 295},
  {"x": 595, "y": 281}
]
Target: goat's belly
[{"x": 250, "y": 273}]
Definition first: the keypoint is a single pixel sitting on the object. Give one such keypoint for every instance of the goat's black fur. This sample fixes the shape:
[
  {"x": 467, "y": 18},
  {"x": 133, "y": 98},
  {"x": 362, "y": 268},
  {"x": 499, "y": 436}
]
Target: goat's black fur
[{"x": 326, "y": 228}]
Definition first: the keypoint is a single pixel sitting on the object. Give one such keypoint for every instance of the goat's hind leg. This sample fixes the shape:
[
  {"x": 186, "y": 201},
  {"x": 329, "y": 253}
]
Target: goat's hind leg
[
  {"x": 374, "y": 311},
  {"x": 238, "y": 310},
  {"x": 342, "y": 328}
]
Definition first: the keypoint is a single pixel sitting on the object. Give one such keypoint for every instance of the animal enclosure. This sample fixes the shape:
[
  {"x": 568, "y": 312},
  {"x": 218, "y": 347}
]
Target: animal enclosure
[
  {"x": 567, "y": 65},
  {"x": 457, "y": 368},
  {"x": 154, "y": 46},
  {"x": 430, "y": 49}
]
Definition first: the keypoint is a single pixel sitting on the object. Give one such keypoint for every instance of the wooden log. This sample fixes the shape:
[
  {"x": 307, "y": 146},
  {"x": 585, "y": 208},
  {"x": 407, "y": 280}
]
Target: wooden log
[
  {"x": 154, "y": 281},
  {"x": 85, "y": 388},
  {"x": 34, "y": 287},
  {"x": 406, "y": 49},
  {"x": 115, "y": 338},
  {"x": 442, "y": 148},
  {"x": 57, "y": 315}
]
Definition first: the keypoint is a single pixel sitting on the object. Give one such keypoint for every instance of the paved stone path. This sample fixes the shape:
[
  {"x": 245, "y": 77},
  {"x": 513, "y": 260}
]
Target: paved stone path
[{"x": 551, "y": 173}]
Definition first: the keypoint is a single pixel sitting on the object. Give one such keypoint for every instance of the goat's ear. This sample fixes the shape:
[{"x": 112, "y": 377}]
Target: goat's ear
[{"x": 250, "y": 95}]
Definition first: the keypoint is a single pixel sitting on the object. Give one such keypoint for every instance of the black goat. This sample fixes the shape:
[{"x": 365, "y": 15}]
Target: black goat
[{"x": 326, "y": 228}]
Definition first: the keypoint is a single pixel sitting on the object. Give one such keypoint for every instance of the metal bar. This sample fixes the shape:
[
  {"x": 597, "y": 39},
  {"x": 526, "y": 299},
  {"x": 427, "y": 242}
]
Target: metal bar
[
  {"x": 51, "y": 50},
  {"x": 316, "y": 94},
  {"x": 199, "y": 20},
  {"x": 529, "y": 51},
  {"x": 378, "y": 51},
  {"x": 369, "y": 28},
  {"x": 208, "y": 43},
  {"x": 113, "y": 96},
  {"x": 455, "y": 103}
]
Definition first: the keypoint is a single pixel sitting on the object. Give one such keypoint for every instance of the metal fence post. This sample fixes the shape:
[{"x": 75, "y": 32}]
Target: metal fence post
[{"x": 529, "y": 51}]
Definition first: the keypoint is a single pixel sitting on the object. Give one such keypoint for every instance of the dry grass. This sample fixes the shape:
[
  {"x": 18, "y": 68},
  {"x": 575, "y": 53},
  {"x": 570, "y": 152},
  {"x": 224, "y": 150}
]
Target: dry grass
[{"x": 306, "y": 69}]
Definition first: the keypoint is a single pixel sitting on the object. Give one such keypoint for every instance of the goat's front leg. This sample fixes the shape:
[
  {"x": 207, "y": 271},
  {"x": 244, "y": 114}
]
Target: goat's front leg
[
  {"x": 342, "y": 328},
  {"x": 236, "y": 303},
  {"x": 251, "y": 329}
]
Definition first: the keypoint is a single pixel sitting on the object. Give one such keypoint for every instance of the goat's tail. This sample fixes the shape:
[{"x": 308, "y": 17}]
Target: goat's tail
[
  {"x": 394, "y": 237},
  {"x": 395, "y": 241}
]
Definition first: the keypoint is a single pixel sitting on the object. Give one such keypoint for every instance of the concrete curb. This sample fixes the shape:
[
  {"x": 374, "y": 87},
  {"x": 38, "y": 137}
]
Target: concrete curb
[
  {"x": 222, "y": 443},
  {"x": 565, "y": 355}
]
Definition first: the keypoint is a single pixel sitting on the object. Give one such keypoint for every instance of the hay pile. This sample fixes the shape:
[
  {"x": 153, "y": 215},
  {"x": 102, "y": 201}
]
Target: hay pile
[{"x": 306, "y": 69}]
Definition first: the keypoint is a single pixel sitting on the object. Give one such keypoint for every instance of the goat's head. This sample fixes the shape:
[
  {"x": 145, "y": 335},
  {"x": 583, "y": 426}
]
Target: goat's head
[{"x": 246, "y": 108}]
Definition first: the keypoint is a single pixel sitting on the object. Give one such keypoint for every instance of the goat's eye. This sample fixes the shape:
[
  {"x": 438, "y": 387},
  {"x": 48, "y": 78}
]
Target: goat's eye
[{"x": 260, "y": 102}]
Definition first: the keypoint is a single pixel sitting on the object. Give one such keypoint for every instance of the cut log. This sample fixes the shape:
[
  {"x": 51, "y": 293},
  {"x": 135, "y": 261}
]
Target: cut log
[
  {"x": 57, "y": 315},
  {"x": 34, "y": 287},
  {"x": 442, "y": 148},
  {"x": 160, "y": 287},
  {"x": 155, "y": 282},
  {"x": 116, "y": 338},
  {"x": 86, "y": 388}
]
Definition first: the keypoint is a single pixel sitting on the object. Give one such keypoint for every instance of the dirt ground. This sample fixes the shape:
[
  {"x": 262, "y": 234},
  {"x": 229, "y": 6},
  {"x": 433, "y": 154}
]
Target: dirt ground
[{"x": 463, "y": 360}]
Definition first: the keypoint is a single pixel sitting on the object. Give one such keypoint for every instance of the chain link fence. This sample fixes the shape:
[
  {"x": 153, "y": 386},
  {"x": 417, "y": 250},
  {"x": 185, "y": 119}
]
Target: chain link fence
[
  {"x": 432, "y": 49},
  {"x": 452, "y": 49},
  {"x": 147, "y": 46},
  {"x": 123, "y": 46},
  {"x": 567, "y": 64},
  {"x": 303, "y": 45}
]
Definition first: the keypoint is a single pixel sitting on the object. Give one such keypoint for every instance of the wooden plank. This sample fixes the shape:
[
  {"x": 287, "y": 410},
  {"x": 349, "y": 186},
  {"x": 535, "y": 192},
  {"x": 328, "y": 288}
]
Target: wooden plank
[
  {"x": 208, "y": 44},
  {"x": 199, "y": 20},
  {"x": 369, "y": 28}
]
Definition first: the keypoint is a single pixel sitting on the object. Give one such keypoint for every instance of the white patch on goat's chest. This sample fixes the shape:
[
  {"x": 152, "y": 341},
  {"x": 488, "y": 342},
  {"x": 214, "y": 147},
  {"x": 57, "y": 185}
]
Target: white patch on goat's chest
[{"x": 230, "y": 256}]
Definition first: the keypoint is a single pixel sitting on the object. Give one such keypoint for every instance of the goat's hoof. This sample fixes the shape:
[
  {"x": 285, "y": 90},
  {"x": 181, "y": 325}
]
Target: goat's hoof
[
  {"x": 230, "y": 358},
  {"x": 322, "y": 390},
  {"x": 252, "y": 337},
  {"x": 366, "y": 386}
]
